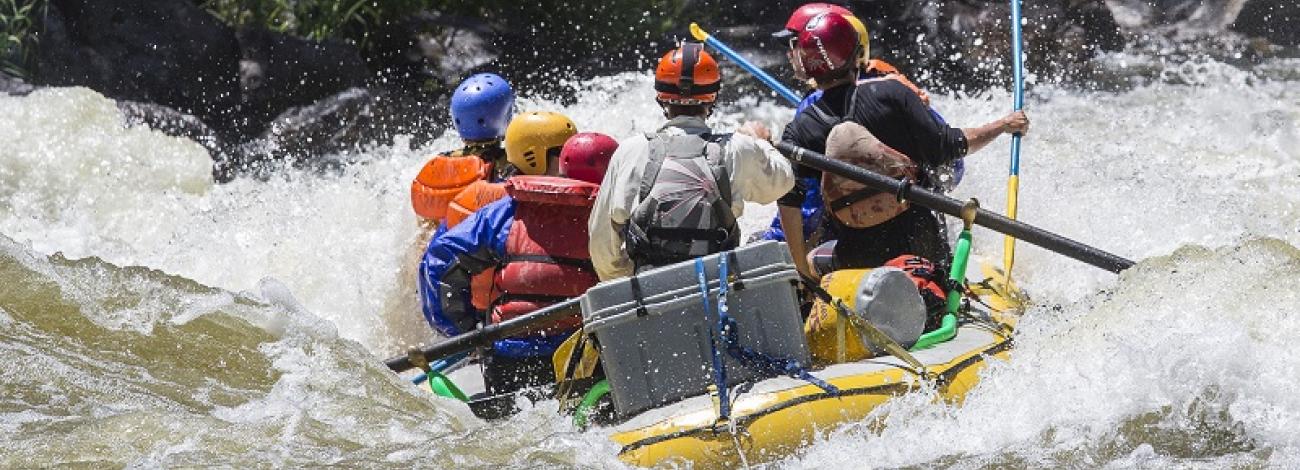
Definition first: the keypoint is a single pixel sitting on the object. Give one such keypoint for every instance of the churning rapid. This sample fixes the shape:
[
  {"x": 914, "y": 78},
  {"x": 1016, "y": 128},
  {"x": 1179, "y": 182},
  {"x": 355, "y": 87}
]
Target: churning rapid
[{"x": 149, "y": 317}]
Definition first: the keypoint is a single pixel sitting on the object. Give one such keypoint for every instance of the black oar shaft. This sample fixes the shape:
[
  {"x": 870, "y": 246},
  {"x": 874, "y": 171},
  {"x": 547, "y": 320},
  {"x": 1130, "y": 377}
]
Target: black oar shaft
[
  {"x": 486, "y": 335},
  {"x": 950, "y": 206}
]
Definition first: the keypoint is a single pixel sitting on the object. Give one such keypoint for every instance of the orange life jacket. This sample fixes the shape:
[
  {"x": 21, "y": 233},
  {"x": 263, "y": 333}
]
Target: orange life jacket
[
  {"x": 877, "y": 68},
  {"x": 469, "y": 200},
  {"x": 546, "y": 258},
  {"x": 442, "y": 178}
]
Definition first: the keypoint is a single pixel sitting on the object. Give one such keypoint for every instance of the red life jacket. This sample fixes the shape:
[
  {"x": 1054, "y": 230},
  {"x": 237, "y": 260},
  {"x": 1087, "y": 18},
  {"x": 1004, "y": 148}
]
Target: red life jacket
[
  {"x": 546, "y": 259},
  {"x": 927, "y": 280},
  {"x": 922, "y": 272}
]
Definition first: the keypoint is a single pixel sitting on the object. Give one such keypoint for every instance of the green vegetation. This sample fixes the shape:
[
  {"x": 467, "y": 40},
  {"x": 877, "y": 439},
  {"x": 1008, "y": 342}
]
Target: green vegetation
[
  {"x": 351, "y": 20},
  {"x": 354, "y": 19},
  {"x": 579, "y": 29},
  {"x": 18, "y": 23},
  {"x": 562, "y": 24}
]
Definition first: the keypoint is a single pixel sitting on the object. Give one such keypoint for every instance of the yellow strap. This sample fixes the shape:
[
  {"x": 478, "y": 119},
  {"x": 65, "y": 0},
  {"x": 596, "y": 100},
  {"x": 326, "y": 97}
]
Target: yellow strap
[
  {"x": 872, "y": 335},
  {"x": 841, "y": 349}
]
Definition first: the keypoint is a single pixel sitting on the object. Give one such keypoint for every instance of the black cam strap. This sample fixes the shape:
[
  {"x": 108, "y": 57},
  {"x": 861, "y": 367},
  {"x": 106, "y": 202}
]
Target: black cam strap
[
  {"x": 843, "y": 202},
  {"x": 537, "y": 298},
  {"x": 547, "y": 259},
  {"x": 689, "y": 234}
]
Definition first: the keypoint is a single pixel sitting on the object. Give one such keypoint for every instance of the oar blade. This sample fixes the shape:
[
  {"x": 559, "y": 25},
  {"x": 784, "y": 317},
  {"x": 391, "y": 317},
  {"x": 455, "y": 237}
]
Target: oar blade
[{"x": 1009, "y": 243}]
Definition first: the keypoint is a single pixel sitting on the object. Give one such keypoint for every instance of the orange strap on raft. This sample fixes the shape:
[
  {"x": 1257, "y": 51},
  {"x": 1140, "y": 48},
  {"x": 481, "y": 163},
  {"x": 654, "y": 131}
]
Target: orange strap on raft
[{"x": 441, "y": 179}]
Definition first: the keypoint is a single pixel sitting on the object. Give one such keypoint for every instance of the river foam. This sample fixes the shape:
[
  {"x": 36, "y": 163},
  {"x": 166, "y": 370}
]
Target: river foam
[{"x": 291, "y": 289}]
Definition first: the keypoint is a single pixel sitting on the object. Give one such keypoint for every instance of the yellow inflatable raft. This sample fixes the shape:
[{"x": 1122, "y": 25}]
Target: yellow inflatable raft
[{"x": 778, "y": 416}]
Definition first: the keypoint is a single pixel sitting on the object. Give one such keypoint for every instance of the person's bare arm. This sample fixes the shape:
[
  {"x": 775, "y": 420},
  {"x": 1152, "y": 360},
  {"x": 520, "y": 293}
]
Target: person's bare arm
[
  {"x": 978, "y": 137},
  {"x": 792, "y": 225}
]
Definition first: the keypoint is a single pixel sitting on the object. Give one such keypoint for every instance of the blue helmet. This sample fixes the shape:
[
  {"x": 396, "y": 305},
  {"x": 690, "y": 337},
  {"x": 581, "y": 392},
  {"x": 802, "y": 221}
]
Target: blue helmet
[{"x": 481, "y": 107}]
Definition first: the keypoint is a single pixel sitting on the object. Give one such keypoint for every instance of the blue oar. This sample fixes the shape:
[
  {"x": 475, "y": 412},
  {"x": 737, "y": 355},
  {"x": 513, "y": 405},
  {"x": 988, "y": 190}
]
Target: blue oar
[
  {"x": 441, "y": 365},
  {"x": 1013, "y": 181},
  {"x": 713, "y": 42}
]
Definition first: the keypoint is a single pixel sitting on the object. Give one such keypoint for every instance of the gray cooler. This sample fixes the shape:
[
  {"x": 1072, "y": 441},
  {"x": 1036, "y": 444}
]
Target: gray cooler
[{"x": 663, "y": 354}]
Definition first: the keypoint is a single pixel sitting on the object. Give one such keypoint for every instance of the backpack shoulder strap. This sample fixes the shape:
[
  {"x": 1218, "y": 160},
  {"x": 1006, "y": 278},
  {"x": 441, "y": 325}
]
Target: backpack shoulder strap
[
  {"x": 715, "y": 154},
  {"x": 658, "y": 146}
]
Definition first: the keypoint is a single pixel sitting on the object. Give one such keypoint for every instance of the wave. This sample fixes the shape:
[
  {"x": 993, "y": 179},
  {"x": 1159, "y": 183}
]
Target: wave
[{"x": 149, "y": 317}]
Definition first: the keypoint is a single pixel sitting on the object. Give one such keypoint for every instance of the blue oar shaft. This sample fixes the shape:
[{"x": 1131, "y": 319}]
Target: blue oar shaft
[
  {"x": 762, "y": 76},
  {"x": 440, "y": 366},
  {"x": 1018, "y": 76}
]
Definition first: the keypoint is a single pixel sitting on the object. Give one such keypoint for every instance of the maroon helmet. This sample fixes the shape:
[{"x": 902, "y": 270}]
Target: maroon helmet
[
  {"x": 827, "y": 46},
  {"x": 586, "y": 156},
  {"x": 807, "y": 12}
]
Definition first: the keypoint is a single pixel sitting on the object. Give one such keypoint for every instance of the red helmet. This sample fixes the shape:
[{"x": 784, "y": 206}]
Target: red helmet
[
  {"x": 586, "y": 156},
  {"x": 827, "y": 46},
  {"x": 688, "y": 76},
  {"x": 807, "y": 12}
]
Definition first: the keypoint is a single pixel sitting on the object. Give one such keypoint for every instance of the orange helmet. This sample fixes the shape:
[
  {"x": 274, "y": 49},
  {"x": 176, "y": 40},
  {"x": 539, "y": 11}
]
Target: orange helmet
[{"x": 688, "y": 76}]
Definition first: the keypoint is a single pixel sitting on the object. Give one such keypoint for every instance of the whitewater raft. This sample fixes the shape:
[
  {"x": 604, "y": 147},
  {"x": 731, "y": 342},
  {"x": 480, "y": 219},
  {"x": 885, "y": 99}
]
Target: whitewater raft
[
  {"x": 774, "y": 417},
  {"x": 777, "y": 416}
]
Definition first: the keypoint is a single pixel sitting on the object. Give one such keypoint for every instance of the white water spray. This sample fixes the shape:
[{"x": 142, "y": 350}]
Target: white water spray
[{"x": 1177, "y": 352}]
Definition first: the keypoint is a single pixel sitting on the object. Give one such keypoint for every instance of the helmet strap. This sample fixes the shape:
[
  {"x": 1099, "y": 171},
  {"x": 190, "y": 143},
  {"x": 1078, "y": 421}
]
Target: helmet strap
[
  {"x": 690, "y": 58},
  {"x": 479, "y": 145},
  {"x": 702, "y": 110}
]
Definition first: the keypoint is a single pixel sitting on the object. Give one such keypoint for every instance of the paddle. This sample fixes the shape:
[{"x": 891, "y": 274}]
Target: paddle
[
  {"x": 483, "y": 336},
  {"x": 938, "y": 202},
  {"x": 727, "y": 51},
  {"x": 1013, "y": 180},
  {"x": 870, "y": 334}
]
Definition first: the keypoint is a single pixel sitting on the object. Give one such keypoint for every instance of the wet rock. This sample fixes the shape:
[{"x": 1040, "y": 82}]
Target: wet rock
[
  {"x": 14, "y": 86},
  {"x": 160, "y": 51},
  {"x": 968, "y": 44},
  {"x": 279, "y": 72},
  {"x": 1277, "y": 21},
  {"x": 323, "y": 134},
  {"x": 429, "y": 46},
  {"x": 1186, "y": 17},
  {"x": 954, "y": 45}
]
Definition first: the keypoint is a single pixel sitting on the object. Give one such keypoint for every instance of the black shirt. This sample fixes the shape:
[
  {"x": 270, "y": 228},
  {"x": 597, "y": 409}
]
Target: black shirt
[
  {"x": 896, "y": 116},
  {"x": 891, "y": 111}
]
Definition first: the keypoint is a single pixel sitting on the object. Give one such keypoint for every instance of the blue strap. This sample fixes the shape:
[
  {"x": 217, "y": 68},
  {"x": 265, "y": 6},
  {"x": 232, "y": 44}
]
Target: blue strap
[
  {"x": 723, "y": 322},
  {"x": 772, "y": 365},
  {"x": 750, "y": 357},
  {"x": 719, "y": 367}
]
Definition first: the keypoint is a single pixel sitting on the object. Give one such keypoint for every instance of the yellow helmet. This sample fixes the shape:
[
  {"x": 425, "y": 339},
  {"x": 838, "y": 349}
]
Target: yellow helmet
[
  {"x": 863, "y": 38},
  {"x": 533, "y": 136}
]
